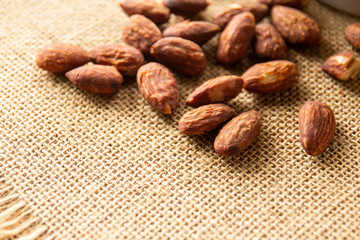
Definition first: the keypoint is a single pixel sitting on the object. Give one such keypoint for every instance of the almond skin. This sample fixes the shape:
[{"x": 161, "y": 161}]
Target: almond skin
[
  {"x": 317, "y": 127},
  {"x": 125, "y": 58},
  {"x": 352, "y": 34},
  {"x": 151, "y": 9},
  {"x": 181, "y": 55},
  {"x": 342, "y": 66},
  {"x": 295, "y": 26},
  {"x": 268, "y": 43},
  {"x": 60, "y": 57},
  {"x": 158, "y": 86},
  {"x": 223, "y": 17},
  {"x": 205, "y": 119},
  {"x": 236, "y": 38},
  {"x": 215, "y": 90},
  {"x": 270, "y": 77},
  {"x": 141, "y": 33},
  {"x": 186, "y": 7},
  {"x": 199, "y": 32},
  {"x": 96, "y": 79},
  {"x": 289, "y": 3},
  {"x": 238, "y": 134}
]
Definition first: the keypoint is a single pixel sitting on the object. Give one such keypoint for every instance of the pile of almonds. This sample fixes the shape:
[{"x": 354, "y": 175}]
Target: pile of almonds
[{"x": 178, "y": 48}]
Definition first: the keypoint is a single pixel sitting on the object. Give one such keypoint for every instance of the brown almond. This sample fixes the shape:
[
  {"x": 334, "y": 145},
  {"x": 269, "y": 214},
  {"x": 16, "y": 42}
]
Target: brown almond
[
  {"x": 181, "y": 55},
  {"x": 352, "y": 34},
  {"x": 125, "y": 58},
  {"x": 268, "y": 43},
  {"x": 223, "y": 17},
  {"x": 151, "y": 9},
  {"x": 238, "y": 134},
  {"x": 215, "y": 90},
  {"x": 236, "y": 38},
  {"x": 197, "y": 31},
  {"x": 205, "y": 119},
  {"x": 342, "y": 66},
  {"x": 158, "y": 86},
  {"x": 270, "y": 77},
  {"x": 186, "y": 7},
  {"x": 317, "y": 127},
  {"x": 289, "y": 3},
  {"x": 97, "y": 79},
  {"x": 141, "y": 33},
  {"x": 61, "y": 57}
]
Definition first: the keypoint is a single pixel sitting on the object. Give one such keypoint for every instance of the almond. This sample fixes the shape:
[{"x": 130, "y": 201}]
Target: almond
[
  {"x": 270, "y": 77},
  {"x": 151, "y": 9},
  {"x": 141, "y": 33},
  {"x": 184, "y": 56},
  {"x": 352, "y": 34},
  {"x": 215, "y": 90},
  {"x": 317, "y": 127},
  {"x": 186, "y": 7},
  {"x": 205, "y": 119},
  {"x": 60, "y": 57},
  {"x": 236, "y": 38},
  {"x": 238, "y": 134},
  {"x": 197, "y": 31},
  {"x": 342, "y": 66},
  {"x": 268, "y": 43},
  {"x": 223, "y": 17},
  {"x": 125, "y": 58},
  {"x": 289, "y": 3},
  {"x": 97, "y": 79},
  {"x": 295, "y": 26},
  {"x": 158, "y": 86}
]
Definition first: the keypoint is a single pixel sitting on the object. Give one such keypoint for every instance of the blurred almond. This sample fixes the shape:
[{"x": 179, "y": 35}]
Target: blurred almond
[
  {"x": 289, "y": 3},
  {"x": 186, "y": 7},
  {"x": 352, "y": 34},
  {"x": 342, "y": 66}
]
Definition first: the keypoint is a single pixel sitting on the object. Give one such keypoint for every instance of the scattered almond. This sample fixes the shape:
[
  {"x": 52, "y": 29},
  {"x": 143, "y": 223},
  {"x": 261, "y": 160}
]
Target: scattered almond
[
  {"x": 289, "y": 3},
  {"x": 342, "y": 66},
  {"x": 352, "y": 34},
  {"x": 186, "y": 7}
]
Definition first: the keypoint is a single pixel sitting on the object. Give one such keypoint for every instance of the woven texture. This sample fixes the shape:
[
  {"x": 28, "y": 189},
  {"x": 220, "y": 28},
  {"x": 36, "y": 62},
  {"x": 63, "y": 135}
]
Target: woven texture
[{"x": 93, "y": 167}]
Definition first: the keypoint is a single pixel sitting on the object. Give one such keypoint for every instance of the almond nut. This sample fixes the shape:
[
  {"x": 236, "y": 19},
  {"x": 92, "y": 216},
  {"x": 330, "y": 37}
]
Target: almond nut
[
  {"x": 236, "y": 38},
  {"x": 60, "y": 57},
  {"x": 238, "y": 134},
  {"x": 184, "y": 56},
  {"x": 205, "y": 119},
  {"x": 317, "y": 127},
  {"x": 295, "y": 26},
  {"x": 125, "y": 58},
  {"x": 223, "y": 17},
  {"x": 352, "y": 34},
  {"x": 97, "y": 79},
  {"x": 342, "y": 66},
  {"x": 151, "y": 9},
  {"x": 141, "y": 33},
  {"x": 289, "y": 3},
  {"x": 186, "y": 7},
  {"x": 158, "y": 86},
  {"x": 215, "y": 90},
  {"x": 268, "y": 43},
  {"x": 197, "y": 31}
]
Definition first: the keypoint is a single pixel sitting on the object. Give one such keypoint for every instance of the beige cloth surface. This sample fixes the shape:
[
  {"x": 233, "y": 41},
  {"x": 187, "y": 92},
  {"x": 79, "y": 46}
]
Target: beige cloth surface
[{"x": 93, "y": 167}]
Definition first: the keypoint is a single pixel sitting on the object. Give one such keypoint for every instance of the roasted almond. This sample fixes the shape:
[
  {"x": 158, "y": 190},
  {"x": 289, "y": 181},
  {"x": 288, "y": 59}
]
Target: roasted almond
[
  {"x": 153, "y": 10},
  {"x": 223, "y": 17},
  {"x": 125, "y": 58},
  {"x": 317, "y": 127},
  {"x": 97, "y": 79},
  {"x": 215, "y": 90},
  {"x": 270, "y": 77},
  {"x": 342, "y": 66},
  {"x": 158, "y": 86},
  {"x": 238, "y": 134},
  {"x": 268, "y": 43},
  {"x": 197, "y": 31},
  {"x": 205, "y": 119},
  {"x": 289, "y": 3},
  {"x": 295, "y": 26},
  {"x": 60, "y": 57},
  {"x": 352, "y": 34},
  {"x": 236, "y": 38},
  {"x": 186, "y": 7},
  {"x": 184, "y": 56},
  {"x": 141, "y": 33}
]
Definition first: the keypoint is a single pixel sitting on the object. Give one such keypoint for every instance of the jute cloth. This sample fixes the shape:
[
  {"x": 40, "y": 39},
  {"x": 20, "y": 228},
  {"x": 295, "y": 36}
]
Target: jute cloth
[{"x": 92, "y": 167}]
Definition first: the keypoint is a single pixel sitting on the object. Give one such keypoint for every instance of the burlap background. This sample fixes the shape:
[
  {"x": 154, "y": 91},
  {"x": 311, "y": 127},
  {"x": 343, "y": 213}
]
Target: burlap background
[{"x": 93, "y": 167}]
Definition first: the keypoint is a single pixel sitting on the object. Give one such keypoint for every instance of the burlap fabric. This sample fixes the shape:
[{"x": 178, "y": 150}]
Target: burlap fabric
[{"x": 92, "y": 167}]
